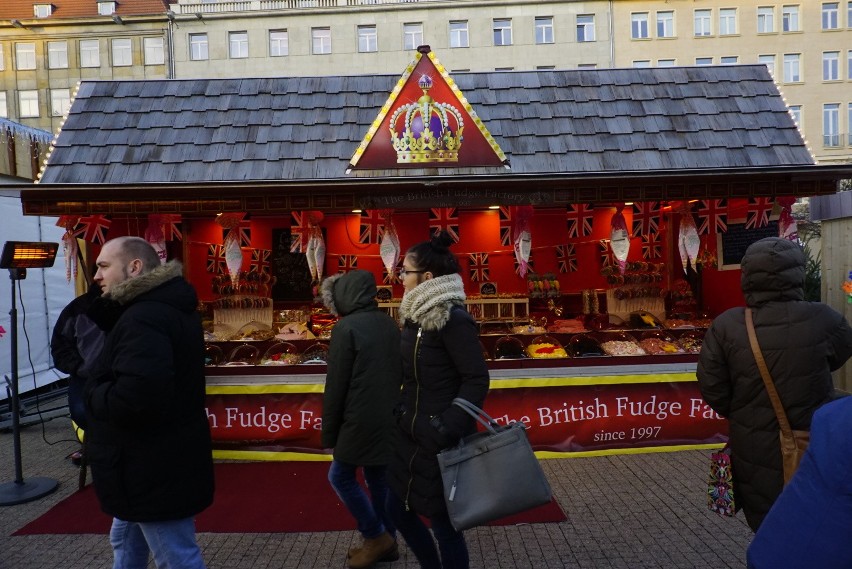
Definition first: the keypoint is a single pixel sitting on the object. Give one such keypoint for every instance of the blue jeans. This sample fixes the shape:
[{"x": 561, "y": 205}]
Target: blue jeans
[
  {"x": 172, "y": 543},
  {"x": 451, "y": 543},
  {"x": 369, "y": 513}
]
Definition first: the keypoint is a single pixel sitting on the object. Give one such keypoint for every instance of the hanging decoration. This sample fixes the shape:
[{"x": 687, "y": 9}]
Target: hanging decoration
[
  {"x": 444, "y": 218},
  {"x": 646, "y": 216},
  {"x": 579, "y": 218},
  {"x": 522, "y": 239},
  {"x": 171, "y": 226},
  {"x": 651, "y": 246},
  {"x": 688, "y": 240},
  {"x": 231, "y": 243},
  {"x": 299, "y": 231},
  {"x": 787, "y": 228},
  {"x": 69, "y": 244},
  {"x": 619, "y": 238},
  {"x": 847, "y": 288},
  {"x": 215, "y": 258},
  {"x": 505, "y": 214},
  {"x": 371, "y": 226},
  {"x": 315, "y": 249},
  {"x": 757, "y": 213},
  {"x": 479, "y": 271},
  {"x": 607, "y": 259},
  {"x": 154, "y": 235},
  {"x": 566, "y": 257},
  {"x": 712, "y": 216},
  {"x": 260, "y": 260},
  {"x": 346, "y": 263},
  {"x": 390, "y": 249},
  {"x": 93, "y": 228},
  {"x": 530, "y": 266}
]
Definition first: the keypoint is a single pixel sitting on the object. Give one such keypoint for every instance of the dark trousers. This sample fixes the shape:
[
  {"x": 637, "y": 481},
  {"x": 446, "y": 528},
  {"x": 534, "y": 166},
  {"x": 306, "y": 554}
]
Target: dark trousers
[{"x": 418, "y": 538}]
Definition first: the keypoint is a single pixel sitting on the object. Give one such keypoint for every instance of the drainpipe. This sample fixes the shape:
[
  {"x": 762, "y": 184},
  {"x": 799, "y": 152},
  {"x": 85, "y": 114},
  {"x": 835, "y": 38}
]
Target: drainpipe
[{"x": 611, "y": 37}]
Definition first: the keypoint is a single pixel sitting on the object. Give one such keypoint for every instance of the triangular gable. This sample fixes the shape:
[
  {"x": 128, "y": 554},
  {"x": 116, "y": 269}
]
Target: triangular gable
[{"x": 455, "y": 137}]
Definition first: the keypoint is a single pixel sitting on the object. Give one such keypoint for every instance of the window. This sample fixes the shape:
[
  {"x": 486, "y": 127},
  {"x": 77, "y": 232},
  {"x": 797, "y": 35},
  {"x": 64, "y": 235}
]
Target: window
[
  {"x": 28, "y": 104},
  {"x": 728, "y": 60},
  {"x": 848, "y": 121},
  {"x": 545, "y": 67},
  {"x": 106, "y": 8},
  {"x": 768, "y": 61},
  {"x": 320, "y": 41},
  {"x": 665, "y": 24},
  {"x": 25, "y": 56},
  {"x": 279, "y": 43},
  {"x": 796, "y": 112},
  {"x": 641, "y": 63},
  {"x": 703, "y": 61},
  {"x": 765, "y": 19},
  {"x": 544, "y": 30},
  {"x": 849, "y": 66},
  {"x": 60, "y": 102},
  {"x": 502, "y": 32},
  {"x": 459, "y": 36},
  {"x": 412, "y": 35},
  {"x": 57, "y": 55},
  {"x": 701, "y": 23},
  {"x": 90, "y": 53},
  {"x": 4, "y": 107},
  {"x": 790, "y": 18},
  {"x": 792, "y": 67},
  {"x": 830, "y": 65},
  {"x": 830, "y": 16},
  {"x": 155, "y": 53},
  {"x": 585, "y": 27},
  {"x": 198, "y": 47},
  {"x": 42, "y": 10},
  {"x": 639, "y": 25},
  {"x": 368, "y": 40},
  {"x": 849, "y": 16},
  {"x": 727, "y": 21},
  {"x": 121, "y": 53},
  {"x": 666, "y": 63},
  {"x": 831, "y": 124},
  {"x": 237, "y": 45},
  {"x": 504, "y": 68},
  {"x": 2, "y": 59},
  {"x": 587, "y": 66}
]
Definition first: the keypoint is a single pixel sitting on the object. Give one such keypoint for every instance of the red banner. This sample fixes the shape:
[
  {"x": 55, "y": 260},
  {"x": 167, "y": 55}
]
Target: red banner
[{"x": 587, "y": 418}]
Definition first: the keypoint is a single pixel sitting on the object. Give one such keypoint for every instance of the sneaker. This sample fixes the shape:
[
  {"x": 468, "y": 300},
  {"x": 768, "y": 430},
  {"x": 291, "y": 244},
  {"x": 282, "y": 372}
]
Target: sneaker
[{"x": 76, "y": 457}]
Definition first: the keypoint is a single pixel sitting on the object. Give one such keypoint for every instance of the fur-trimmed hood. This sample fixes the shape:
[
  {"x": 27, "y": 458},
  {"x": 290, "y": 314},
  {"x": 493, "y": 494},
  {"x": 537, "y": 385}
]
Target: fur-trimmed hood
[
  {"x": 429, "y": 303},
  {"x": 345, "y": 293},
  {"x": 125, "y": 292}
]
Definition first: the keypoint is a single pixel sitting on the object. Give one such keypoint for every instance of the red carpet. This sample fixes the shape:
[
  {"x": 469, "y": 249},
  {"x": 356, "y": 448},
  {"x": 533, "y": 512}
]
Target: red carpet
[{"x": 255, "y": 497}]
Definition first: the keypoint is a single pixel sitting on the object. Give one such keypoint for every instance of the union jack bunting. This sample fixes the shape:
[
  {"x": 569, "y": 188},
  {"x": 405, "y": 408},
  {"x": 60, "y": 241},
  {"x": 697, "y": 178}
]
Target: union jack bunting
[
  {"x": 479, "y": 267},
  {"x": 93, "y": 228},
  {"x": 651, "y": 246},
  {"x": 444, "y": 218},
  {"x": 566, "y": 256},
  {"x": 260, "y": 260},
  {"x": 607, "y": 258},
  {"x": 216, "y": 259},
  {"x": 712, "y": 216},
  {"x": 299, "y": 231},
  {"x": 505, "y": 226},
  {"x": 346, "y": 263},
  {"x": 372, "y": 226},
  {"x": 242, "y": 231},
  {"x": 171, "y": 226},
  {"x": 758, "y": 212},
  {"x": 646, "y": 218},
  {"x": 389, "y": 277},
  {"x": 530, "y": 265},
  {"x": 579, "y": 217}
]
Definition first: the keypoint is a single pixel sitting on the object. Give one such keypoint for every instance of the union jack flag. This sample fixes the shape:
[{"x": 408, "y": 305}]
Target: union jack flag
[
  {"x": 216, "y": 259},
  {"x": 346, "y": 263},
  {"x": 372, "y": 226},
  {"x": 93, "y": 228},
  {"x": 607, "y": 258},
  {"x": 260, "y": 260},
  {"x": 712, "y": 216},
  {"x": 67, "y": 221},
  {"x": 444, "y": 218},
  {"x": 299, "y": 231},
  {"x": 505, "y": 226},
  {"x": 530, "y": 265},
  {"x": 758, "y": 212},
  {"x": 171, "y": 227},
  {"x": 242, "y": 231},
  {"x": 579, "y": 218},
  {"x": 389, "y": 277},
  {"x": 651, "y": 246},
  {"x": 566, "y": 255},
  {"x": 646, "y": 216},
  {"x": 478, "y": 267}
]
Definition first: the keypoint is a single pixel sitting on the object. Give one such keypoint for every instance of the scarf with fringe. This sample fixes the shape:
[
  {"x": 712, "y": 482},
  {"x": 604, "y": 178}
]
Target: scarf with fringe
[{"x": 429, "y": 303}]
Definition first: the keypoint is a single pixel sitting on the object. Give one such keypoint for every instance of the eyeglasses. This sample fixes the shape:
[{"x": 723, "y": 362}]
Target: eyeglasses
[{"x": 403, "y": 271}]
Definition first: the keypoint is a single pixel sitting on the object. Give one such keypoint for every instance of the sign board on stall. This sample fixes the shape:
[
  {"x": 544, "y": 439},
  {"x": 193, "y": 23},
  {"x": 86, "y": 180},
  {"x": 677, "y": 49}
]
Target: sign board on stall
[
  {"x": 732, "y": 245},
  {"x": 290, "y": 269}
]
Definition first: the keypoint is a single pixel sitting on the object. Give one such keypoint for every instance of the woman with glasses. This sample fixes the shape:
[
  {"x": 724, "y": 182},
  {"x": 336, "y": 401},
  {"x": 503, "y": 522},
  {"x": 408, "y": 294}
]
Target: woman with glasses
[{"x": 441, "y": 360}]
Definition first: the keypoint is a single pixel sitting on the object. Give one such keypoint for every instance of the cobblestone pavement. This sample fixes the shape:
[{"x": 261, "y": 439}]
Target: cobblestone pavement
[{"x": 627, "y": 511}]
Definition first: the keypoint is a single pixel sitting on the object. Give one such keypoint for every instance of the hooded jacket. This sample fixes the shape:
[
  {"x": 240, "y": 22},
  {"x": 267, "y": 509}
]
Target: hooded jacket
[
  {"x": 364, "y": 372},
  {"x": 442, "y": 359},
  {"x": 148, "y": 440},
  {"x": 802, "y": 343}
]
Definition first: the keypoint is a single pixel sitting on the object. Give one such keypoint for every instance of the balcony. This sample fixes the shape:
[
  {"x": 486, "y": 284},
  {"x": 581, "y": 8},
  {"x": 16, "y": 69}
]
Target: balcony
[{"x": 263, "y": 5}]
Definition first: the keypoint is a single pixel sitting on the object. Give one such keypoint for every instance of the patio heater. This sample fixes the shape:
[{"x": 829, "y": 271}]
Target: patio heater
[{"x": 18, "y": 256}]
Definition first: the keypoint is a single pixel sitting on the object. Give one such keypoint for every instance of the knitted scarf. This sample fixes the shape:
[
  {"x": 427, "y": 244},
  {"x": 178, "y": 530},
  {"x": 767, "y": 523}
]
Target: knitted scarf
[{"x": 429, "y": 303}]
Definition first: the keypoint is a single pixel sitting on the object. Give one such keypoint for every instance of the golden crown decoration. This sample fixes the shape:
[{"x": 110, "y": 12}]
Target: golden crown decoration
[{"x": 426, "y": 130}]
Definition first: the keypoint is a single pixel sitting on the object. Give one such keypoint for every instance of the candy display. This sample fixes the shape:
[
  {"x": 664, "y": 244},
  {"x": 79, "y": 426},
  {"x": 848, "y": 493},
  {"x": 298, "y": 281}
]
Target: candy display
[
  {"x": 509, "y": 348},
  {"x": 584, "y": 346},
  {"x": 546, "y": 347},
  {"x": 691, "y": 342},
  {"x": 621, "y": 345},
  {"x": 253, "y": 331},
  {"x": 281, "y": 353},
  {"x": 494, "y": 328},
  {"x": 573, "y": 326},
  {"x": 643, "y": 319},
  {"x": 244, "y": 354},
  {"x": 213, "y": 355},
  {"x": 316, "y": 354},
  {"x": 659, "y": 343}
]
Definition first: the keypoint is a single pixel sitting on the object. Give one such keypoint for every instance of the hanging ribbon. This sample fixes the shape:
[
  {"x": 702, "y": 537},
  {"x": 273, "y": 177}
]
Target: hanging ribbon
[
  {"x": 619, "y": 238},
  {"x": 688, "y": 241},
  {"x": 787, "y": 228},
  {"x": 315, "y": 249},
  {"x": 69, "y": 244},
  {"x": 389, "y": 250},
  {"x": 522, "y": 237}
]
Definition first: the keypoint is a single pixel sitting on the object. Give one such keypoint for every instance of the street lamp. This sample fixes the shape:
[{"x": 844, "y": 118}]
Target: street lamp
[{"x": 18, "y": 256}]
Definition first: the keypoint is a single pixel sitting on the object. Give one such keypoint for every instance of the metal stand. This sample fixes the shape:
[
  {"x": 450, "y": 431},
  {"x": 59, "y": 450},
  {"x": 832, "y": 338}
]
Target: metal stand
[{"x": 20, "y": 490}]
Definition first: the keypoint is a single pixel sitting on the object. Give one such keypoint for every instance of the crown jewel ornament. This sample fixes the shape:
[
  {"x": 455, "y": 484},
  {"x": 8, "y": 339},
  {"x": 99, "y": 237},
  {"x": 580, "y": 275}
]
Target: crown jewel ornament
[{"x": 426, "y": 130}]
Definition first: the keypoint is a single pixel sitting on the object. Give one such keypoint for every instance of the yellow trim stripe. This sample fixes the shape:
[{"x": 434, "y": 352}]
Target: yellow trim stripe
[
  {"x": 260, "y": 389},
  {"x": 269, "y": 455},
  {"x": 591, "y": 380}
]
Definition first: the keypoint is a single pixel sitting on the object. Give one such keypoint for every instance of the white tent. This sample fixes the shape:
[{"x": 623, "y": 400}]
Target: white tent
[{"x": 39, "y": 299}]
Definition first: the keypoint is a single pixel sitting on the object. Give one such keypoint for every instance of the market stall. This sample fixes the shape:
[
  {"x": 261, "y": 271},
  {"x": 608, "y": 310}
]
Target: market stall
[{"x": 598, "y": 217}]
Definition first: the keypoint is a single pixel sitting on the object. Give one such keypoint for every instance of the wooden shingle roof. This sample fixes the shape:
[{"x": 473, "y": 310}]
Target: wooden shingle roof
[{"x": 23, "y": 9}]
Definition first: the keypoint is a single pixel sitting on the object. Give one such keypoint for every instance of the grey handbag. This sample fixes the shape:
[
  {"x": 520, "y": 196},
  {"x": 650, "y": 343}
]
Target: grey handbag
[{"x": 491, "y": 474}]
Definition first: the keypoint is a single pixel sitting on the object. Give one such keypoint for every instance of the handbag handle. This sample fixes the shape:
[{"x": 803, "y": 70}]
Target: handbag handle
[
  {"x": 477, "y": 414},
  {"x": 767, "y": 378}
]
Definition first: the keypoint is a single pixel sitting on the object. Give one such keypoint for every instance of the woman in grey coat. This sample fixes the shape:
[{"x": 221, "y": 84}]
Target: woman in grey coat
[{"x": 802, "y": 343}]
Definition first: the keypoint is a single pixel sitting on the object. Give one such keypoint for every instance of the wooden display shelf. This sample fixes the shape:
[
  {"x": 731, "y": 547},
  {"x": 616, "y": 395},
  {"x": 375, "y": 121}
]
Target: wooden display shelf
[{"x": 484, "y": 309}]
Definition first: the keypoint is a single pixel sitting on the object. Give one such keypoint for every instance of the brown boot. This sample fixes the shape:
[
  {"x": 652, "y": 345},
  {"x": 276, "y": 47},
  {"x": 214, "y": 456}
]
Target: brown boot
[
  {"x": 372, "y": 551},
  {"x": 392, "y": 555}
]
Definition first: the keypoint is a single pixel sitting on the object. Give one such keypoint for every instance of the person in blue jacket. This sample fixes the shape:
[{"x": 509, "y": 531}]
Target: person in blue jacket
[{"x": 809, "y": 525}]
